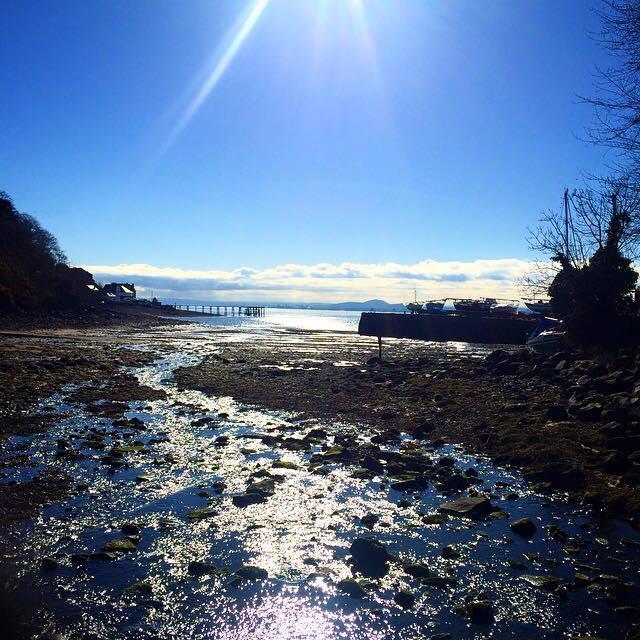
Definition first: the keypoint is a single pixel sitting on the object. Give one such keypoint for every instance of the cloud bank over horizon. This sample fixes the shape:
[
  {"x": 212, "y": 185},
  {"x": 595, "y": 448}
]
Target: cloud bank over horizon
[{"x": 325, "y": 282}]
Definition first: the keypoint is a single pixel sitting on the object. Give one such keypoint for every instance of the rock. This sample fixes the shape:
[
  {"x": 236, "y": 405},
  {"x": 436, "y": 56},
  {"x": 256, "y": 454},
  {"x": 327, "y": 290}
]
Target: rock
[
  {"x": 370, "y": 557},
  {"x": 440, "y": 636},
  {"x": 480, "y": 611},
  {"x": 252, "y": 573},
  {"x": 435, "y": 518},
  {"x": 369, "y": 520},
  {"x": 49, "y": 564},
  {"x": 352, "y": 588},
  {"x": 439, "y": 581},
  {"x": 197, "y": 568},
  {"x": 423, "y": 430},
  {"x": 405, "y": 599},
  {"x": 524, "y": 527},
  {"x": 138, "y": 587},
  {"x": 245, "y": 499},
  {"x": 417, "y": 570},
  {"x": 499, "y": 515},
  {"x": 264, "y": 487},
  {"x": 201, "y": 513},
  {"x": 557, "y": 534},
  {"x": 457, "y": 482},
  {"x": 557, "y": 413},
  {"x": 130, "y": 529},
  {"x": 284, "y": 464},
  {"x": 119, "y": 545},
  {"x": 450, "y": 552},
  {"x": 415, "y": 484},
  {"x": 469, "y": 507},
  {"x": 549, "y": 583}
]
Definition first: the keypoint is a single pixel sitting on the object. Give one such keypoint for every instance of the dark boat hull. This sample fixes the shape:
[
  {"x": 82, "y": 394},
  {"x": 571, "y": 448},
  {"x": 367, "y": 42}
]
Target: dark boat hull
[{"x": 445, "y": 327}]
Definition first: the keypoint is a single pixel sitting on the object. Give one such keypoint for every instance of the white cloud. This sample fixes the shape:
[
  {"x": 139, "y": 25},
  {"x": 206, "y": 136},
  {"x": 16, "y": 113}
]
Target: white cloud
[{"x": 322, "y": 282}]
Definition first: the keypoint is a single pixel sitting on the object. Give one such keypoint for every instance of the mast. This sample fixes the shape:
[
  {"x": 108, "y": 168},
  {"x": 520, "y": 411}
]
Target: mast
[{"x": 566, "y": 223}]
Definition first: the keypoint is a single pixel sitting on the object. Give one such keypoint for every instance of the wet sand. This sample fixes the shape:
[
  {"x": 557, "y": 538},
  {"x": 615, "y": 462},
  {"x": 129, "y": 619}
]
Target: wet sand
[{"x": 185, "y": 465}]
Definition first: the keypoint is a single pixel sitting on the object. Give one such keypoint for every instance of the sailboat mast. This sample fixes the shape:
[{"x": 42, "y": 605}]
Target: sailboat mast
[{"x": 566, "y": 223}]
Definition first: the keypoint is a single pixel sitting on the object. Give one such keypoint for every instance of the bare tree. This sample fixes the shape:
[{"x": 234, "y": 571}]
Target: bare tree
[
  {"x": 574, "y": 232},
  {"x": 616, "y": 98}
]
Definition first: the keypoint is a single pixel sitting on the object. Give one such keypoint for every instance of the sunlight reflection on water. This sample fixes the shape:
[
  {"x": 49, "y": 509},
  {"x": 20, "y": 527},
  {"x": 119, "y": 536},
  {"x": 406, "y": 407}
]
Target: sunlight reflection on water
[{"x": 300, "y": 534}]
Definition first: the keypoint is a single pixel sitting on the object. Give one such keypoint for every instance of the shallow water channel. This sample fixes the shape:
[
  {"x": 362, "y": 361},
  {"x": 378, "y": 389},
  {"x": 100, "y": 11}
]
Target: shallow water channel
[{"x": 176, "y": 484}]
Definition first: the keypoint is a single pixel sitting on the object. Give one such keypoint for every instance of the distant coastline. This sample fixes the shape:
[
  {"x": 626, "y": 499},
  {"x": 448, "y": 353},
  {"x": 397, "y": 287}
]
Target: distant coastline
[{"x": 368, "y": 305}]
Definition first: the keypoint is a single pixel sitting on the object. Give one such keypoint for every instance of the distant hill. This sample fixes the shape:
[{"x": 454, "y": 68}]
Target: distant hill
[{"x": 369, "y": 305}]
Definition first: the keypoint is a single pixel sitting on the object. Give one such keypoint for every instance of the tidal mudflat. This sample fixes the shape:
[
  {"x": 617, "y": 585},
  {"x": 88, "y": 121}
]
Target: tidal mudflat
[{"x": 214, "y": 483}]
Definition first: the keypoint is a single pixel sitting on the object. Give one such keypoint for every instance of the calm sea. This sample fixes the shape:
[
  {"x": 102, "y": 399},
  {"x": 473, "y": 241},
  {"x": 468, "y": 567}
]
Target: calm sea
[{"x": 291, "y": 319}]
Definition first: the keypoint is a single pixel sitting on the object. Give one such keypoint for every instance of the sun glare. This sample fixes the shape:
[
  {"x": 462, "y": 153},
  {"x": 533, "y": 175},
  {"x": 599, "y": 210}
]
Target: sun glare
[{"x": 220, "y": 63}]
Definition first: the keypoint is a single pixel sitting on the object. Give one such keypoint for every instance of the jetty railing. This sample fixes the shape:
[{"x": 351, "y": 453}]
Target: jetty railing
[{"x": 221, "y": 310}]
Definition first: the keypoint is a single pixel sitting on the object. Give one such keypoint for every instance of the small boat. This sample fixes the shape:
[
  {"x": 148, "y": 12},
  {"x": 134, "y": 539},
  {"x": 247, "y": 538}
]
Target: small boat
[
  {"x": 539, "y": 306},
  {"x": 415, "y": 307},
  {"x": 547, "y": 337},
  {"x": 504, "y": 309},
  {"x": 483, "y": 305},
  {"x": 434, "y": 306}
]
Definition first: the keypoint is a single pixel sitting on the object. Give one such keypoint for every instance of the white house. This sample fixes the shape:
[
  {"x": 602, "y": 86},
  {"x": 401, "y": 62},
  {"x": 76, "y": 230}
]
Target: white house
[{"x": 119, "y": 292}]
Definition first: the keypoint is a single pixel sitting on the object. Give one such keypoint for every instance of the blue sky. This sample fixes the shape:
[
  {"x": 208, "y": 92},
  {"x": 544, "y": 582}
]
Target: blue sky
[{"x": 366, "y": 132}]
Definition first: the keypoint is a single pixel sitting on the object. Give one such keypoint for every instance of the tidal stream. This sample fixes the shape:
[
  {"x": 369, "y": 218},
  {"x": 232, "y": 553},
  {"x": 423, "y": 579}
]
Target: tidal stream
[{"x": 167, "y": 500}]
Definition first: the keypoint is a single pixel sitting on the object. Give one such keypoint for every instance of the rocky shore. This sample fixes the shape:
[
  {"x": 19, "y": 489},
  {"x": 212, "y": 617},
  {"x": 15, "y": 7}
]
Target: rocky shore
[
  {"x": 359, "y": 460},
  {"x": 570, "y": 422}
]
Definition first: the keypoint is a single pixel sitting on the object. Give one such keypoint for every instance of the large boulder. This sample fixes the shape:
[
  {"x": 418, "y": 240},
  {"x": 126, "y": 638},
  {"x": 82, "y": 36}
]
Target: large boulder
[
  {"x": 468, "y": 507},
  {"x": 370, "y": 557}
]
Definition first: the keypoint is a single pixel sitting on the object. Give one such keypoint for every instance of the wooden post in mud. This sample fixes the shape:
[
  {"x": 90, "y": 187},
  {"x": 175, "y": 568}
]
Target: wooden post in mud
[{"x": 380, "y": 348}]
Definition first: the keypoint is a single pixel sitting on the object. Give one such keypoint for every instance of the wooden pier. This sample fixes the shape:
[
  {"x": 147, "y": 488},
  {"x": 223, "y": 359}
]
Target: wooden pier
[{"x": 221, "y": 310}]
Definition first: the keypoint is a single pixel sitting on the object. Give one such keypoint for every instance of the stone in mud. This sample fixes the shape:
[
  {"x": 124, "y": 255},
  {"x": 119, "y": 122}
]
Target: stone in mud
[
  {"x": 352, "y": 588},
  {"x": 557, "y": 534},
  {"x": 423, "y": 430},
  {"x": 130, "y": 529},
  {"x": 49, "y": 564},
  {"x": 119, "y": 545},
  {"x": 435, "y": 518},
  {"x": 480, "y": 611},
  {"x": 524, "y": 527},
  {"x": 138, "y": 587},
  {"x": 201, "y": 513},
  {"x": 468, "y": 506},
  {"x": 417, "y": 570},
  {"x": 284, "y": 464},
  {"x": 369, "y": 520},
  {"x": 372, "y": 464},
  {"x": 457, "y": 482},
  {"x": 449, "y": 552},
  {"x": 415, "y": 484},
  {"x": 549, "y": 583},
  {"x": 197, "y": 568},
  {"x": 405, "y": 599},
  {"x": 249, "y": 572},
  {"x": 441, "y": 582},
  {"x": 370, "y": 557},
  {"x": 103, "y": 555},
  {"x": 264, "y": 487},
  {"x": 245, "y": 499}
]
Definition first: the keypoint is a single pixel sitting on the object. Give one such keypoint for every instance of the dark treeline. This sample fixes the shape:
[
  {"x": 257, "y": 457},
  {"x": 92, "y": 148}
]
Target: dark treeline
[{"x": 34, "y": 273}]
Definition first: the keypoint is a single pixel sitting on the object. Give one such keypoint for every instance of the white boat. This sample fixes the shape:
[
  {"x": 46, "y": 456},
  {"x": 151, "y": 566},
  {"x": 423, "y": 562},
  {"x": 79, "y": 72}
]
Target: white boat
[{"x": 414, "y": 307}]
